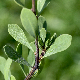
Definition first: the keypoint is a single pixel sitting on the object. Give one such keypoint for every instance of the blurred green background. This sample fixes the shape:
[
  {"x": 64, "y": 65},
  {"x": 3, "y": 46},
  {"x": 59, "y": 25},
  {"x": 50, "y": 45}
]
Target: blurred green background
[{"x": 63, "y": 17}]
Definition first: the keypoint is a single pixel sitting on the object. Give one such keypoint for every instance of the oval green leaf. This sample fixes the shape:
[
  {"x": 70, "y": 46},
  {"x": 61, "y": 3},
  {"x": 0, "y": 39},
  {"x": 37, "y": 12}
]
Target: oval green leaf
[
  {"x": 42, "y": 23},
  {"x": 7, "y": 73},
  {"x": 41, "y": 4},
  {"x": 31, "y": 59},
  {"x": 2, "y": 64},
  {"x": 43, "y": 34},
  {"x": 11, "y": 53},
  {"x": 61, "y": 43},
  {"x": 17, "y": 33},
  {"x": 31, "y": 56},
  {"x": 29, "y": 21}
]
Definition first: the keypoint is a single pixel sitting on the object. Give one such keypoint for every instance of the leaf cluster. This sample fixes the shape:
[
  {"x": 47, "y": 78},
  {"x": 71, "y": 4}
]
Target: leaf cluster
[{"x": 36, "y": 26}]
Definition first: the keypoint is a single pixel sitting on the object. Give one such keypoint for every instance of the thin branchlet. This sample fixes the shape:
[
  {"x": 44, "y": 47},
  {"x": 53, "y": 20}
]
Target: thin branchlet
[
  {"x": 36, "y": 65},
  {"x": 33, "y": 7}
]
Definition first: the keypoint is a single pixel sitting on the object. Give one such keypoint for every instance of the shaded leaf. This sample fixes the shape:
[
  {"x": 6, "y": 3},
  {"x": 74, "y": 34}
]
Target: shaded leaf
[
  {"x": 15, "y": 56},
  {"x": 61, "y": 43},
  {"x": 17, "y": 33},
  {"x": 47, "y": 39},
  {"x": 41, "y": 44},
  {"x": 19, "y": 50},
  {"x": 11, "y": 53},
  {"x": 41, "y": 4},
  {"x": 22, "y": 68},
  {"x": 20, "y": 2},
  {"x": 48, "y": 36},
  {"x": 29, "y": 21},
  {"x": 53, "y": 38},
  {"x": 50, "y": 41},
  {"x": 42, "y": 23},
  {"x": 43, "y": 34},
  {"x": 7, "y": 73}
]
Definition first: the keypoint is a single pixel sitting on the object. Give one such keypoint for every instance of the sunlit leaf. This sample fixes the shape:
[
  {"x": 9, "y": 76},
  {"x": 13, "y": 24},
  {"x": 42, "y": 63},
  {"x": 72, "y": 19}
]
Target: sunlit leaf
[
  {"x": 33, "y": 46},
  {"x": 17, "y": 33},
  {"x": 2, "y": 64},
  {"x": 43, "y": 34},
  {"x": 12, "y": 77},
  {"x": 29, "y": 21},
  {"x": 61, "y": 43},
  {"x": 7, "y": 73}
]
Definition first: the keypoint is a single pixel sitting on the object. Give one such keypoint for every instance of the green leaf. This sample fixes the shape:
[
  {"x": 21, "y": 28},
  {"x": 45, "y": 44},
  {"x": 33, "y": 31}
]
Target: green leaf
[
  {"x": 61, "y": 43},
  {"x": 11, "y": 53},
  {"x": 50, "y": 41},
  {"x": 33, "y": 46},
  {"x": 29, "y": 22},
  {"x": 17, "y": 33},
  {"x": 43, "y": 34},
  {"x": 41, "y": 4},
  {"x": 15, "y": 56},
  {"x": 7, "y": 73},
  {"x": 20, "y": 2},
  {"x": 5, "y": 67},
  {"x": 31, "y": 59},
  {"x": 19, "y": 50},
  {"x": 12, "y": 77},
  {"x": 31, "y": 56},
  {"x": 48, "y": 36},
  {"x": 2, "y": 64},
  {"x": 42, "y": 23},
  {"x": 41, "y": 44},
  {"x": 53, "y": 38}
]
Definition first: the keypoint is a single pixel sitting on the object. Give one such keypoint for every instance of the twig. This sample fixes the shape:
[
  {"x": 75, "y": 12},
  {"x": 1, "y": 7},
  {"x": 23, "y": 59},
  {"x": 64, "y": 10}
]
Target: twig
[
  {"x": 33, "y": 7},
  {"x": 37, "y": 54},
  {"x": 30, "y": 74},
  {"x": 36, "y": 65},
  {"x": 42, "y": 54}
]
